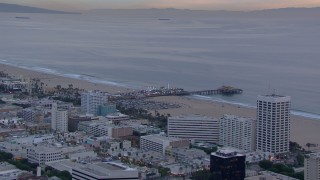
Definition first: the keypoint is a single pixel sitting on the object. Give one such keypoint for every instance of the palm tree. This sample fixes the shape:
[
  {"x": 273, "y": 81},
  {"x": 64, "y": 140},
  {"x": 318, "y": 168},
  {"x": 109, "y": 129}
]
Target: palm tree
[
  {"x": 41, "y": 85},
  {"x": 180, "y": 169},
  {"x": 58, "y": 87},
  {"x": 192, "y": 168}
]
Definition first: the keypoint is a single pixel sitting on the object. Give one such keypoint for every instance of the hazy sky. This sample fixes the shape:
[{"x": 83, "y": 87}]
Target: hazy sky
[{"x": 189, "y": 4}]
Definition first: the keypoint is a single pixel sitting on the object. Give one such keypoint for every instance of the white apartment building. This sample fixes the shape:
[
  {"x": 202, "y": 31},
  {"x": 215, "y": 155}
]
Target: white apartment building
[
  {"x": 117, "y": 117},
  {"x": 47, "y": 104},
  {"x": 103, "y": 128},
  {"x": 91, "y": 100},
  {"x": 49, "y": 138},
  {"x": 42, "y": 154},
  {"x": 91, "y": 127},
  {"x": 31, "y": 114},
  {"x": 113, "y": 131},
  {"x": 194, "y": 127},
  {"x": 273, "y": 123},
  {"x": 238, "y": 132},
  {"x": 59, "y": 119},
  {"x": 312, "y": 166},
  {"x": 159, "y": 143}
]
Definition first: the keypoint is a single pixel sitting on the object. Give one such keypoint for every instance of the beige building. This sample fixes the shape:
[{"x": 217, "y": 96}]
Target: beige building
[
  {"x": 42, "y": 154},
  {"x": 59, "y": 119},
  {"x": 159, "y": 143},
  {"x": 312, "y": 166},
  {"x": 104, "y": 128}
]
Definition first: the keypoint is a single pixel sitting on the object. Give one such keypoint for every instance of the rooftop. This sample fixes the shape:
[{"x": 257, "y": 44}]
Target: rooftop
[
  {"x": 273, "y": 97},
  {"x": 94, "y": 122},
  {"x": 8, "y": 171},
  {"x": 5, "y": 107},
  {"x": 270, "y": 175},
  {"x": 45, "y": 148},
  {"x": 4, "y": 166},
  {"x": 113, "y": 115},
  {"x": 103, "y": 169},
  {"x": 10, "y": 174},
  {"x": 96, "y": 92},
  {"x": 226, "y": 153},
  {"x": 314, "y": 155},
  {"x": 160, "y": 137},
  {"x": 193, "y": 117},
  {"x": 233, "y": 117},
  {"x": 112, "y": 166}
]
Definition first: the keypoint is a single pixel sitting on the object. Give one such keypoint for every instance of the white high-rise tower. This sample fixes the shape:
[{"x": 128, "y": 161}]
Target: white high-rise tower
[
  {"x": 91, "y": 100},
  {"x": 273, "y": 123},
  {"x": 59, "y": 119}
]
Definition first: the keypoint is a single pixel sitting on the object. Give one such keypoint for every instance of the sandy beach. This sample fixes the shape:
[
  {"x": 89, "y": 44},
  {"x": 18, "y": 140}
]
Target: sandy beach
[
  {"x": 303, "y": 130},
  {"x": 52, "y": 81}
]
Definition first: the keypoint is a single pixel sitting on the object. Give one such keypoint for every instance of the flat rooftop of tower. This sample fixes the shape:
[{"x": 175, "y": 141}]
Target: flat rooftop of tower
[
  {"x": 192, "y": 117},
  {"x": 157, "y": 137},
  {"x": 274, "y": 95},
  {"x": 314, "y": 155},
  {"x": 238, "y": 118},
  {"x": 226, "y": 153},
  {"x": 274, "y": 98}
]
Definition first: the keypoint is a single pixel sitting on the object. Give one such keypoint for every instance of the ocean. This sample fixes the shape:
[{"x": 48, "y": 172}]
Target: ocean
[{"x": 259, "y": 55}]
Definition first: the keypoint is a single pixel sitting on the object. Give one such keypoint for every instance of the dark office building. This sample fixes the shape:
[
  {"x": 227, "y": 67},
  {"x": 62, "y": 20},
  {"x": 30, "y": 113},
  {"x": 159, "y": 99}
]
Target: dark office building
[{"x": 228, "y": 165}]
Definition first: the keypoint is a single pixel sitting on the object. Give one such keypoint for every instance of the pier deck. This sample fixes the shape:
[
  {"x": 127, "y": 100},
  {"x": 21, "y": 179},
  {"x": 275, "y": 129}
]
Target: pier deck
[{"x": 224, "y": 90}]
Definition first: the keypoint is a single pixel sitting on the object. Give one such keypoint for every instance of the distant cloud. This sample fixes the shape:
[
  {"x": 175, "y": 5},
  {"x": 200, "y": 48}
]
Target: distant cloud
[
  {"x": 232, "y": 4},
  {"x": 187, "y": 4}
]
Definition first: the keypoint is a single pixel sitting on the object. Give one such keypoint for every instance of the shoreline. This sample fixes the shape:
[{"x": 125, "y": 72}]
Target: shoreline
[
  {"x": 51, "y": 80},
  {"x": 294, "y": 112},
  {"x": 303, "y": 130},
  {"x": 118, "y": 87}
]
